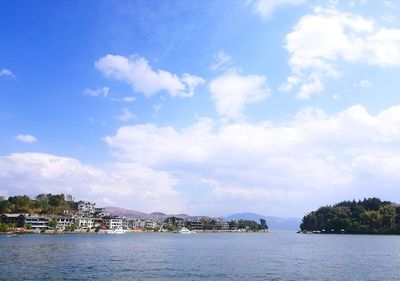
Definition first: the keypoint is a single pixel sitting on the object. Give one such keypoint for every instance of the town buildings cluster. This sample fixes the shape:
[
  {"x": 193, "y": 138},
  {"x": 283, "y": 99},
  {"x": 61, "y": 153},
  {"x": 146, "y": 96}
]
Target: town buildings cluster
[{"x": 87, "y": 217}]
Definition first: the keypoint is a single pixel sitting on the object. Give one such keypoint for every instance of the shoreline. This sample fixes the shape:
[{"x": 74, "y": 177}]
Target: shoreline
[{"x": 101, "y": 232}]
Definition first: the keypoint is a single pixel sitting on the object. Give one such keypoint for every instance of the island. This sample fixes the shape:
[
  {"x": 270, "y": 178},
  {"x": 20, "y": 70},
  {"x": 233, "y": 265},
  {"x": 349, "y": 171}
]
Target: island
[{"x": 369, "y": 216}]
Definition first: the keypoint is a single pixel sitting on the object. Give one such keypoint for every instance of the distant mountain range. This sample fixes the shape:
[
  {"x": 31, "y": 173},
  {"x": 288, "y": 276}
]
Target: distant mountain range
[
  {"x": 140, "y": 215},
  {"x": 277, "y": 223}
]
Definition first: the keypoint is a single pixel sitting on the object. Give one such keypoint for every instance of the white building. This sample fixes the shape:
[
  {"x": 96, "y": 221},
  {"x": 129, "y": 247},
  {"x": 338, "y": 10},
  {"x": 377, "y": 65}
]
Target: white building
[
  {"x": 86, "y": 208},
  {"x": 36, "y": 222},
  {"x": 150, "y": 224},
  {"x": 84, "y": 222},
  {"x": 114, "y": 222},
  {"x": 64, "y": 222}
]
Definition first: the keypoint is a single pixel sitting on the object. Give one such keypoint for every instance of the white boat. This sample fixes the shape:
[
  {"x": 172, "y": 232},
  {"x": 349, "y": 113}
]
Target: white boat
[
  {"x": 116, "y": 231},
  {"x": 35, "y": 231},
  {"x": 184, "y": 230}
]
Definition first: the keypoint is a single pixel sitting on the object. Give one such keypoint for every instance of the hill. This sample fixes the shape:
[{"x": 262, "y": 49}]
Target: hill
[
  {"x": 129, "y": 213},
  {"x": 125, "y": 212},
  {"x": 369, "y": 216}
]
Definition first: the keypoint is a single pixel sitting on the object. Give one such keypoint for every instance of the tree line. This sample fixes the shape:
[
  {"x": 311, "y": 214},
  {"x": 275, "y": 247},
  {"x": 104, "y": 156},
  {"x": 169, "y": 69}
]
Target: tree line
[
  {"x": 369, "y": 216},
  {"x": 46, "y": 204}
]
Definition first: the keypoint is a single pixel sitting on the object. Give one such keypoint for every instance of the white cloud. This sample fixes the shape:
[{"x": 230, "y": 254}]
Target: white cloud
[
  {"x": 7, "y": 73},
  {"x": 312, "y": 86},
  {"x": 126, "y": 115},
  {"x": 231, "y": 93},
  {"x": 126, "y": 99},
  {"x": 126, "y": 184},
  {"x": 26, "y": 138},
  {"x": 221, "y": 59},
  {"x": 256, "y": 167},
  {"x": 104, "y": 91},
  {"x": 291, "y": 82},
  {"x": 327, "y": 36},
  {"x": 265, "y": 8},
  {"x": 138, "y": 73},
  {"x": 363, "y": 83},
  {"x": 264, "y": 164}
]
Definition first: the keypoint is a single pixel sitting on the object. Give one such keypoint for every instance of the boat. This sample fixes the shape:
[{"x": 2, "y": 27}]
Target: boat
[
  {"x": 34, "y": 231},
  {"x": 184, "y": 230},
  {"x": 116, "y": 231}
]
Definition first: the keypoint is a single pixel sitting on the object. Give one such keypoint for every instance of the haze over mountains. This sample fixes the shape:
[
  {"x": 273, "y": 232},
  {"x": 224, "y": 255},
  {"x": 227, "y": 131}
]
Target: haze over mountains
[{"x": 275, "y": 223}]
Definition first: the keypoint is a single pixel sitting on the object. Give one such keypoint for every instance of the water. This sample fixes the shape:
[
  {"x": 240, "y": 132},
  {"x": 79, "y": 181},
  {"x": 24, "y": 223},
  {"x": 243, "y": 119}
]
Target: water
[{"x": 213, "y": 256}]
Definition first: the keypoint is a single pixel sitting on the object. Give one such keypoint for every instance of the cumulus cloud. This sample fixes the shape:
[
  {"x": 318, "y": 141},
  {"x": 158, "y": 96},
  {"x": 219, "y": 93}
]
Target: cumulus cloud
[
  {"x": 104, "y": 91},
  {"x": 7, "y": 73},
  {"x": 26, "y": 138},
  {"x": 126, "y": 184},
  {"x": 232, "y": 92},
  {"x": 266, "y": 8},
  {"x": 137, "y": 72},
  {"x": 327, "y": 36},
  {"x": 264, "y": 164}
]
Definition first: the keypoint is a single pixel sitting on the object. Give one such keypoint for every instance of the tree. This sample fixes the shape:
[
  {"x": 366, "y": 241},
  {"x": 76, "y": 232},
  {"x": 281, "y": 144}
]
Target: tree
[
  {"x": 72, "y": 227},
  {"x": 367, "y": 216},
  {"x": 4, "y": 205},
  {"x": 207, "y": 225},
  {"x": 388, "y": 213},
  {"x": 20, "y": 204},
  {"x": 53, "y": 223},
  {"x": 56, "y": 200},
  {"x": 263, "y": 224},
  {"x": 4, "y": 227}
]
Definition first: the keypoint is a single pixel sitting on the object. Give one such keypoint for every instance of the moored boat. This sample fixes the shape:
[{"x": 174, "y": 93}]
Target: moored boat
[
  {"x": 116, "y": 231},
  {"x": 184, "y": 230}
]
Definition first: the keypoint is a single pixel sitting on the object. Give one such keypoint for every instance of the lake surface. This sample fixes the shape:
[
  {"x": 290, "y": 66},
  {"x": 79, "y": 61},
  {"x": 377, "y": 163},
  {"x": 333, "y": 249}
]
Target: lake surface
[{"x": 201, "y": 256}]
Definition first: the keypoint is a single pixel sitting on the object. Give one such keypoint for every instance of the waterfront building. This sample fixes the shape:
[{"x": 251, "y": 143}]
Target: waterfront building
[
  {"x": 86, "y": 208},
  {"x": 195, "y": 225},
  {"x": 221, "y": 224},
  {"x": 150, "y": 224},
  {"x": 99, "y": 212},
  {"x": 14, "y": 219},
  {"x": 140, "y": 224},
  {"x": 36, "y": 222},
  {"x": 130, "y": 223},
  {"x": 174, "y": 221},
  {"x": 113, "y": 222},
  {"x": 85, "y": 222},
  {"x": 64, "y": 222}
]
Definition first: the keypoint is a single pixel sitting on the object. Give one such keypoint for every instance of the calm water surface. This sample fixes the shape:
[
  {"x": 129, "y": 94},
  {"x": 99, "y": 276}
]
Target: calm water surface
[{"x": 218, "y": 256}]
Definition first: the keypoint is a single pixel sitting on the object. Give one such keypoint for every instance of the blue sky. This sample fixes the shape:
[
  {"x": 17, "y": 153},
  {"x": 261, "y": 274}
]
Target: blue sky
[{"x": 203, "y": 107}]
